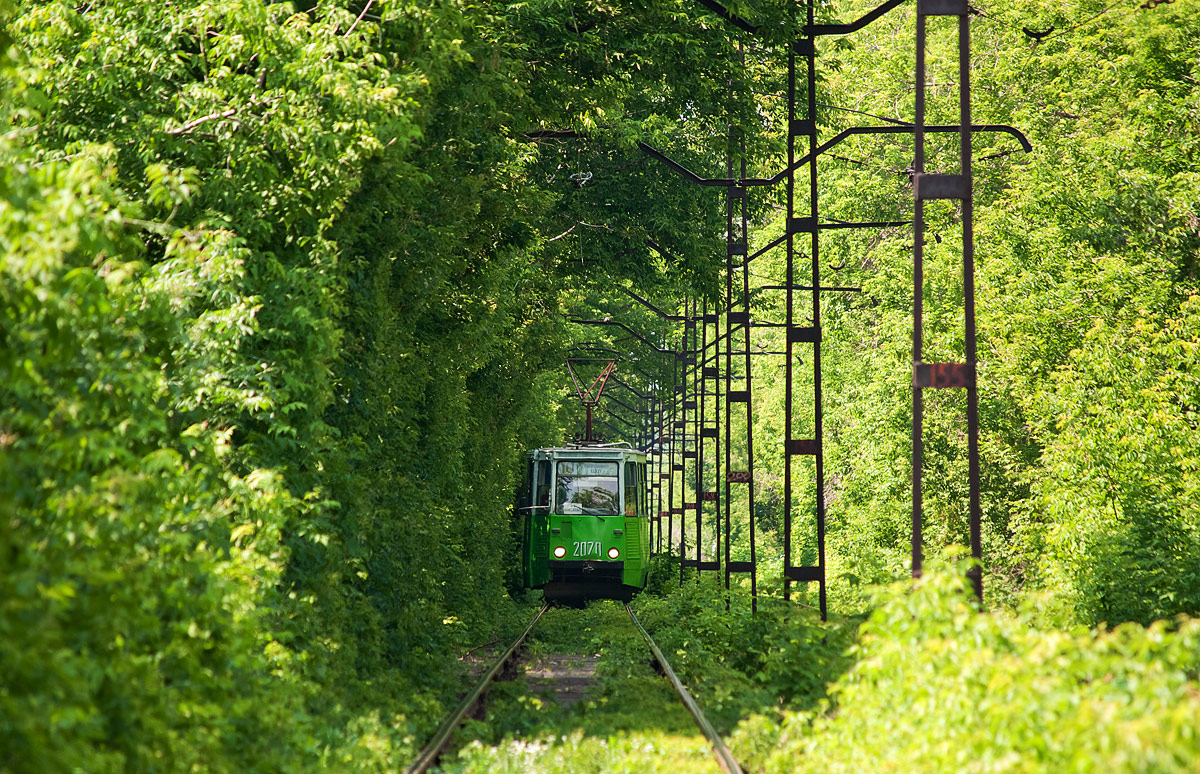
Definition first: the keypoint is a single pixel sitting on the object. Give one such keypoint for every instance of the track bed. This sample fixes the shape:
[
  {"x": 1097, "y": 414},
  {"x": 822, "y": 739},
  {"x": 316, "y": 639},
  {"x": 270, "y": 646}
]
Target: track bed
[{"x": 587, "y": 689}]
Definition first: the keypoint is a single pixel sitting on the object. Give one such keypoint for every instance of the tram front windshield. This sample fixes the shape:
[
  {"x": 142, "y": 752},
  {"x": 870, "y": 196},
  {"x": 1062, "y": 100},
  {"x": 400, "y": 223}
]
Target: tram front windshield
[{"x": 588, "y": 488}]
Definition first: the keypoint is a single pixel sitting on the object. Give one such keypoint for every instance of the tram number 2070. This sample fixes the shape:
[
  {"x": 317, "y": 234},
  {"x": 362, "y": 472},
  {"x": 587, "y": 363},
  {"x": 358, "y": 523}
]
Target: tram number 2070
[{"x": 587, "y": 548}]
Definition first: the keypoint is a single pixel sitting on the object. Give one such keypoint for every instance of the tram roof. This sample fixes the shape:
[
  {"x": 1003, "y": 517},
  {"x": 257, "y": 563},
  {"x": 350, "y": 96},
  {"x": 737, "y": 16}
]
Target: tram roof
[{"x": 608, "y": 451}]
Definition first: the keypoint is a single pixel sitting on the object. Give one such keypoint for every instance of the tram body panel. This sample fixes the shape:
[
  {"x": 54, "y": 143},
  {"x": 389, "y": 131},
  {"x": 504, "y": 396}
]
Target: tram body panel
[{"x": 587, "y": 530}]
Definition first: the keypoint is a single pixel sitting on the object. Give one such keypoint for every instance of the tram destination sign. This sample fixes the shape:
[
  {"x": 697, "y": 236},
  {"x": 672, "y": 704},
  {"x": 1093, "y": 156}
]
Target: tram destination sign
[{"x": 583, "y": 468}]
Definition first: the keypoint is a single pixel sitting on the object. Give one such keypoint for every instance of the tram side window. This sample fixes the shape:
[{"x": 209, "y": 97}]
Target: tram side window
[
  {"x": 543, "y": 484},
  {"x": 525, "y": 494},
  {"x": 642, "y": 494},
  {"x": 631, "y": 489}
]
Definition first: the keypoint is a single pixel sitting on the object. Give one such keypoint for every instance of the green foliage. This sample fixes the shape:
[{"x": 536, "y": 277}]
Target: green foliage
[
  {"x": 159, "y": 435},
  {"x": 1116, "y": 512},
  {"x": 736, "y": 662},
  {"x": 1088, "y": 307},
  {"x": 938, "y": 686},
  {"x": 279, "y": 314},
  {"x": 132, "y": 559}
]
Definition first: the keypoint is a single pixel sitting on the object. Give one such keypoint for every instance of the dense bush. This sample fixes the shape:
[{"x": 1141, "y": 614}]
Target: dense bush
[
  {"x": 938, "y": 686},
  {"x": 136, "y": 566},
  {"x": 278, "y": 314},
  {"x": 167, "y": 350},
  {"x": 736, "y": 661}
]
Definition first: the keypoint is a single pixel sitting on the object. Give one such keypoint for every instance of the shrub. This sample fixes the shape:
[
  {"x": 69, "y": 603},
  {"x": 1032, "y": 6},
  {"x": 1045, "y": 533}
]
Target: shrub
[{"x": 939, "y": 687}]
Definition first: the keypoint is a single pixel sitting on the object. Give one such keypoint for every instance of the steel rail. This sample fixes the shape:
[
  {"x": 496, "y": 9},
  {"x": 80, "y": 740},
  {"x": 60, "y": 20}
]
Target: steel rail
[
  {"x": 429, "y": 754},
  {"x": 725, "y": 758}
]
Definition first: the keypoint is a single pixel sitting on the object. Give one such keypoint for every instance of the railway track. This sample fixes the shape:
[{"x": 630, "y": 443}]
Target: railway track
[
  {"x": 429, "y": 754},
  {"x": 724, "y": 758},
  {"x": 438, "y": 743}
]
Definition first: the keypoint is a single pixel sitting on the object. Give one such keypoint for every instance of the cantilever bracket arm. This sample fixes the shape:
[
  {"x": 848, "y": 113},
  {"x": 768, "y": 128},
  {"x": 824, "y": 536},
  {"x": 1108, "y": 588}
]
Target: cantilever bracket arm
[
  {"x": 613, "y": 399},
  {"x": 652, "y": 307},
  {"x": 815, "y": 29},
  {"x": 729, "y": 182},
  {"x": 631, "y": 331},
  {"x": 840, "y": 137},
  {"x": 609, "y": 425},
  {"x": 628, "y": 364},
  {"x": 614, "y": 415},
  {"x": 854, "y": 26},
  {"x": 643, "y": 395},
  {"x": 730, "y": 16},
  {"x": 589, "y": 346}
]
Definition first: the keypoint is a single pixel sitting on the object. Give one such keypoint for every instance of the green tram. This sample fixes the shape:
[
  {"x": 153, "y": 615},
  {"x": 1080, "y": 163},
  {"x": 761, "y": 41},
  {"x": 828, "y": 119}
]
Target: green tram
[{"x": 586, "y": 522}]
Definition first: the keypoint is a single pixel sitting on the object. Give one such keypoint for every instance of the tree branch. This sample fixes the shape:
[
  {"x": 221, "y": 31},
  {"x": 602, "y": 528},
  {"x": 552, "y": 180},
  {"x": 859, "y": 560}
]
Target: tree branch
[
  {"x": 190, "y": 125},
  {"x": 563, "y": 234},
  {"x": 366, "y": 8}
]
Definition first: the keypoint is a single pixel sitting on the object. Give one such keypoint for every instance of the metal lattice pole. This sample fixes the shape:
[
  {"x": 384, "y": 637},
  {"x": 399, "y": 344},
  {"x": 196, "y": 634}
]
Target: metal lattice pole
[{"x": 957, "y": 187}]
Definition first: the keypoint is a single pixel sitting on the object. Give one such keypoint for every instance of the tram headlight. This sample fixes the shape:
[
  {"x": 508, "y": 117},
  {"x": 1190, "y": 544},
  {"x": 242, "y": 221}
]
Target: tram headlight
[
  {"x": 560, "y": 552},
  {"x": 613, "y": 553}
]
